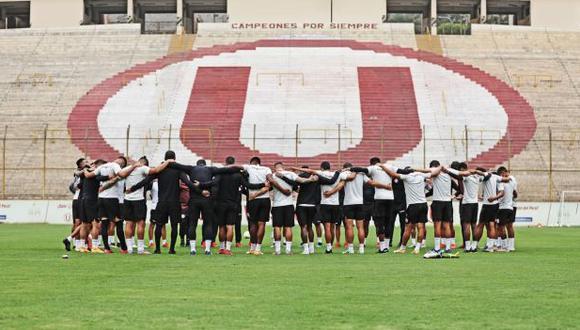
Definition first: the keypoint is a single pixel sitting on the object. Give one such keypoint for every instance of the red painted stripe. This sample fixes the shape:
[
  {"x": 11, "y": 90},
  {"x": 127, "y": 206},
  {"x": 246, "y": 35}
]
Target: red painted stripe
[
  {"x": 218, "y": 97},
  {"x": 521, "y": 121}
]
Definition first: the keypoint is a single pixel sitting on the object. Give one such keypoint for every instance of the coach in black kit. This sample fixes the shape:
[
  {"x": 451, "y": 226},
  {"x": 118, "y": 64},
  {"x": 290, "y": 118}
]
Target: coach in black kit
[
  {"x": 201, "y": 201},
  {"x": 168, "y": 206},
  {"x": 229, "y": 182}
]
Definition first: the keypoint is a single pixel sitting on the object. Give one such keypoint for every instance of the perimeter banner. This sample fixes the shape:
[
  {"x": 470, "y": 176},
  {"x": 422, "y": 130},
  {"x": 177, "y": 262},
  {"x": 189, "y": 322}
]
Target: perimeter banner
[{"x": 60, "y": 212}]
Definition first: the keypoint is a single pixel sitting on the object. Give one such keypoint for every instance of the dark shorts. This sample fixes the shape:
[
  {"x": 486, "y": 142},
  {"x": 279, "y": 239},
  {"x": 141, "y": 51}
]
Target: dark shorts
[
  {"x": 201, "y": 208},
  {"x": 329, "y": 213},
  {"x": 134, "y": 210},
  {"x": 168, "y": 210},
  {"x": 89, "y": 210},
  {"x": 488, "y": 213},
  {"x": 382, "y": 209},
  {"x": 417, "y": 213},
  {"x": 109, "y": 209},
  {"x": 468, "y": 212},
  {"x": 368, "y": 211},
  {"x": 306, "y": 215},
  {"x": 227, "y": 213},
  {"x": 122, "y": 210},
  {"x": 442, "y": 211},
  {"x": 514, "y": 215},
  {"x": 341, "y": 216},
  {"x": 283, "y": 216},
  {"x": 354, "y": 212},
  {"x": 76, "y": 209},
  {"x": 153, "y": 216},
  {"x": 505, "y": 216},
  {"x": 317, "y": 219},
  {"x": 259, "y": 209}
]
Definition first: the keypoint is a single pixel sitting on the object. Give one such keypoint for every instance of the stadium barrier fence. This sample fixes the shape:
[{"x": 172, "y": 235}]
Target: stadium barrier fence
[{"x": 35, "y": 162}]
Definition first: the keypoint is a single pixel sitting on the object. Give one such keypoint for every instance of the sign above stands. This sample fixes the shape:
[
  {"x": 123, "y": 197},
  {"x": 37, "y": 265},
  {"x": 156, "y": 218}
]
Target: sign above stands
[{"x": 304, "y": 26}]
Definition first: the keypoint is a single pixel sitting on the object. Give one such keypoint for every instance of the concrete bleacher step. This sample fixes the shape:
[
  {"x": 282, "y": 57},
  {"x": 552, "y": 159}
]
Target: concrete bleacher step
[{"x": 80, "y": 59}]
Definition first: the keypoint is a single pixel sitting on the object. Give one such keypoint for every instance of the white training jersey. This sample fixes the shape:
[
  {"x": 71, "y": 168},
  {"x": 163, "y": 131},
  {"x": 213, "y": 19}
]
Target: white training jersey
[
  {"x": 414, "y": 184},
  {"x": 471, "y": 189},
  {"x": 76, "y": 182},
  {"x": 353, "y": 190},
  {"x": 377, "y": 173},
  {"x": 136, "y": 176},
  {"x": 107, "y": 170},
  {"x": 332, "y": 200},
  {"x": 257, "y": 174},
  {"x": 507, "y": 201},
  {"x": 442, "y": 186},
  {"x": 490, "y": 187},
  {"x": 154, "y": 194},
  {"x": 120, "y": 186},
  {"x": 513, "y": 179},
  {"x": 279, "y": 199}
]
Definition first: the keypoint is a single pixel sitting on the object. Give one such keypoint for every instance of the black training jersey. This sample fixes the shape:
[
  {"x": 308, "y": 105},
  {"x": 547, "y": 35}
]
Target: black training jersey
[
  {"x": 168, "y": 183},
  {"x": 399, "y": 192},
  {"x": 368, "y": 193},
  {"x": 309, "y": 193},
  {"x": 205, "y": 175},
  {"x": 89, "y": 188},
  {"x": 229, "y": 187}
]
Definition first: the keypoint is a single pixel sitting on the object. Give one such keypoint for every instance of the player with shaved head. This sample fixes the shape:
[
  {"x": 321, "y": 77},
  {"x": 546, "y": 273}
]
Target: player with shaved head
[
  {"x": 329, "y": 203},
  {"x": 168, "y": 206},
  {"x": 489, "y": 210},
  {"x": 283, "y": 205},
  {"x": 416, "y": 204}
]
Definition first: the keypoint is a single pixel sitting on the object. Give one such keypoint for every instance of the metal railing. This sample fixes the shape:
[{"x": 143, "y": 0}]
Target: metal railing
[{"x": 38, "y": 162}]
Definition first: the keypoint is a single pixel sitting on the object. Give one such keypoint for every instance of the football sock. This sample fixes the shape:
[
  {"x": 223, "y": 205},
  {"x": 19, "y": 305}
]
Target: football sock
[
  {"x": 130, "y": 243},
  {"x": 158, "y": 231},
  {"x": 382, "y": 245}
]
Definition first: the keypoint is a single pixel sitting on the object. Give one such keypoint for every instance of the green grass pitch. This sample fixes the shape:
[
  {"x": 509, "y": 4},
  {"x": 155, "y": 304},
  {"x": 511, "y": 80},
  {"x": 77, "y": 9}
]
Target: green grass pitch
[{"x": 535, "y": 287}]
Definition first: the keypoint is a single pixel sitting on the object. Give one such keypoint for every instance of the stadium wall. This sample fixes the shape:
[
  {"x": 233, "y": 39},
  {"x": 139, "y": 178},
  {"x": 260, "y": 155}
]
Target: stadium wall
[
  {"x": 56, "y": 13},
  {"x": 552, "y": 14},
  {"x": 278, "y": 11},
  {"x": 60, "y": 211},
  {"x": 306, "y": 11},
  {"x": 556, "y": 14}
]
